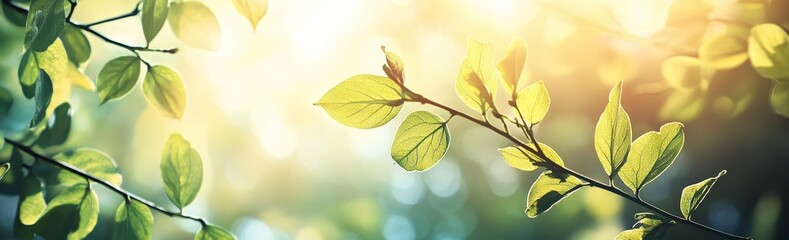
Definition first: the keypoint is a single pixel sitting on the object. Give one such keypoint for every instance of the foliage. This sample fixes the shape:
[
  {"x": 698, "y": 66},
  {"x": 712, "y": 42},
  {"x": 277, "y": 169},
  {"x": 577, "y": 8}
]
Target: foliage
[
  {"x": 56, "y": 195},
  {"x": 423, "y": 137}
]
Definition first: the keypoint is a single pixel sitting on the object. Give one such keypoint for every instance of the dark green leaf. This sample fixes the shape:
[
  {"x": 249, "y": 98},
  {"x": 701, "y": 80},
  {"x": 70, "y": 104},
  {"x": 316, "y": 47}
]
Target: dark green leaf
[
  {"x": 76, "y": 44},
  {"x": 363, "y": 101},
  {"x": 164, "y": 89},
  {"x": 11, "y": 183},
  {"x": 133, "y": 221},
  {"x": 548, "y": 190},
  {"x": 182, "y": 171},
  {"x": 90, "y": 161},
  {"x": 44, "y": 24},
  {"x": 58, "y": 127},
  {"x": 15, "y": 17},
  {"x": 4, "y": 169},
  {"x": 118, "y": 77},
  {"x": 71, "y": 215},
  {"x": 6, "y": 100},
  {"x": 154, "y": 14},
  {"x": 54, "y": 61},
  {"x": 693, "y": 195},
  {"x": 211, "y": 232},
  {"x": 43, "y": 97},
  {"x": 421, "y": 141},
  {"x": 648, "y": 227}
]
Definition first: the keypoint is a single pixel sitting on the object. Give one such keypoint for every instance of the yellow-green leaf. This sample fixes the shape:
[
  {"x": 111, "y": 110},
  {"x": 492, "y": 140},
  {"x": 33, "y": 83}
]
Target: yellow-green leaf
[
  {"x": 54, "y": 61},
  {"x": 252, "y": 10},
  {"x": 182, "y": 171},
  {"x": 684, "y": 72},
  {"x": 91, "y": 161},
  {"x": 520, "y": 158},
  {"x": 613, "y": 133},
  {"x": 79, "y": 78},
  {"x": 724, "y": 52},
  {"x": 648, "y": 227},
  {"x": 118, "y": 77},
  {"x": 76, "y": 45},
  {"x": 421, "y": 141},
  {"x": 651, "y": 154},
  {"x": 477, "y": 80},
  {"x": 154, "y": 14},
  {"x": 768, "y": 48},
  {"x": 533, "y": 102},
  {"x": 32, "y": 203},
  {"x": 164, "y": 89},
  {"x": 549, "y": 189},
  {"x": 363, "y": 101},
  {"x": 394, "y": 67},
  {"x": 683, "y": 105},
  {"x": 511, "y": 66},
  {"x": 133, "y": 221},
  {"x": 45, "y": 22},
  {"x": 194, "y": 24},
  {"x": 693, "y": 195},
  {"x": 211, "y": 232},
  {"x": 73, "y": 213},
  {"x": 779, "y": 98},
  {"x": 11, "y": 182},
  {"x": 4, "y": 169}
]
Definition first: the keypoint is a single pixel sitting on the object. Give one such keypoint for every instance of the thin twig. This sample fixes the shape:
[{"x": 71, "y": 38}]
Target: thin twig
[
  {"x": 116, "y": 189},
  {"x": 134, "y": 12}
]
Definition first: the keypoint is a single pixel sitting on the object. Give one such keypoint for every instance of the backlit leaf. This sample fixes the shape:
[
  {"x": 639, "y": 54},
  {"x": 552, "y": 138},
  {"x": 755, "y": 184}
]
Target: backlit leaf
[
  {"x": 153, "y": 16},
  {"x": 12, "y": 180},
  {"x": 477, "y": 80},
  {"x": 511, "y": 66},
  {"x": 71, "y": 214},
  {"x": 651, "y": 154},
  {"x": 684, "y": 72},
  {"x": 182, "y": 171},
  {"x": 58, "y": 127},
  {"x": 779, "y": 98},
  {"x": 548, "y": 190},
  {"x": 54, "y": 61},
  {"x": 683, "y": 105},
  {"x": 533, "y": 102},
  {"x": 363, "y": 101},
  {"x": 133, "y": 221},
  {"x": 32, "y": 203},
  {"x": 91, "y": 161},
  {"x": 164, "y": 89},
  {"x": 4, "y": 169},
  {"x": 648, "y": 227},
  {"x": 252, "y": 10},
  {"x": 421, "y": 141},
  {"x": 194, "y": 24},
  {"x": 76, "y": 44},
  {"x": 45, "y": 22},
  {"x": 724, "y": 52},
  {"x": 394, "y": 67},
  {"x": 693, "y": 195},
  {"x": 522, "y": 159},
  {"x": 768, "y": 48},
  {"x": 613, "y": 133},
  {"x": 118, "y": 77},
  {"x": 211, "y": 232}
]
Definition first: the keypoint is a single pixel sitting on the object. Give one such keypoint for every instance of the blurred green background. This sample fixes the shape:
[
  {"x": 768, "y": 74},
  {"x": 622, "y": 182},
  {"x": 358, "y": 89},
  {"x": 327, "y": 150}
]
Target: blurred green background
[{"x": 278, "y": 167}]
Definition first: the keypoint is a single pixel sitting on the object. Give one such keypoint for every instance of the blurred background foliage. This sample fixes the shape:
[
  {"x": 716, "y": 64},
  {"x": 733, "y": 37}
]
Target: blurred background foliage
[{"x": 279, "y": 168}]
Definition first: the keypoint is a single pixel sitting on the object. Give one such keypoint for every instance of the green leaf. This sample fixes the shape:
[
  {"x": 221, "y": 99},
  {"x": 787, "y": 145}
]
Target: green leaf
[
  {"x": 71, "y": 214},
  {"x": 533, "y": 102},
  {"x": 511, "y": 66},
  {"x": 118, "y": 77},
  {"x": 477, "y": 80},
  {"x": 58, "y": 127},
  {"x": 194, "y": 24},
  {"x": 613, "y": 133},
  {"x": 211, "y": 232},
  {"x": 76, "y": 45},
  {"x": 32, "y": 203},
  {"x": 43, "y": 98},
  {"x": 768, "y": 48},
  {"x": 779, "y": 98},
  {"x": 182, "y": 171},
  {"x": 684, "y": 72},
  {"x": 252, "y": 10},
  {"x": 363, "y": 101},
  {"x": 14, "y": 17},
  {"x": 693, "y": 195},
  {"x": 421, "y": 141},
  {"x": 6, "y": 101},
  {"x": 164, "y": 89},
  {"x": 394, "y": 67},
  {"x": 91, "y": 161},
  {"x": 54, "y": 61},
  {"x": 548, "y": 190},
  {"x": 651, "y": 154},
  {"x": 154, "y": 14},
  {"x": 724, "y": 52},
  {"x": 683, "y": 105},
  {"x": 44, "y": 24},
  {"x": 133, "y": 221},
  {"x": 4, "y": 169},
  {"x": 520, "y": 158},
  {"x": 648, "y": 227},
  {"x": 12, "y": 181}
]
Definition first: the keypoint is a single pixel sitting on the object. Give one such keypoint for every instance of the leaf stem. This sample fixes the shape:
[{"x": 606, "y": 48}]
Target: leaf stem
[
  {"x": 553, "y": 166},
  {"x": 116, "y": 189}
]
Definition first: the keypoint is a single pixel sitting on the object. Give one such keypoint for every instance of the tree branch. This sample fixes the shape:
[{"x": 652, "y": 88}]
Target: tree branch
[
  {"x": 552, "y": 165},
  {"x": 117, "y": 189}
]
